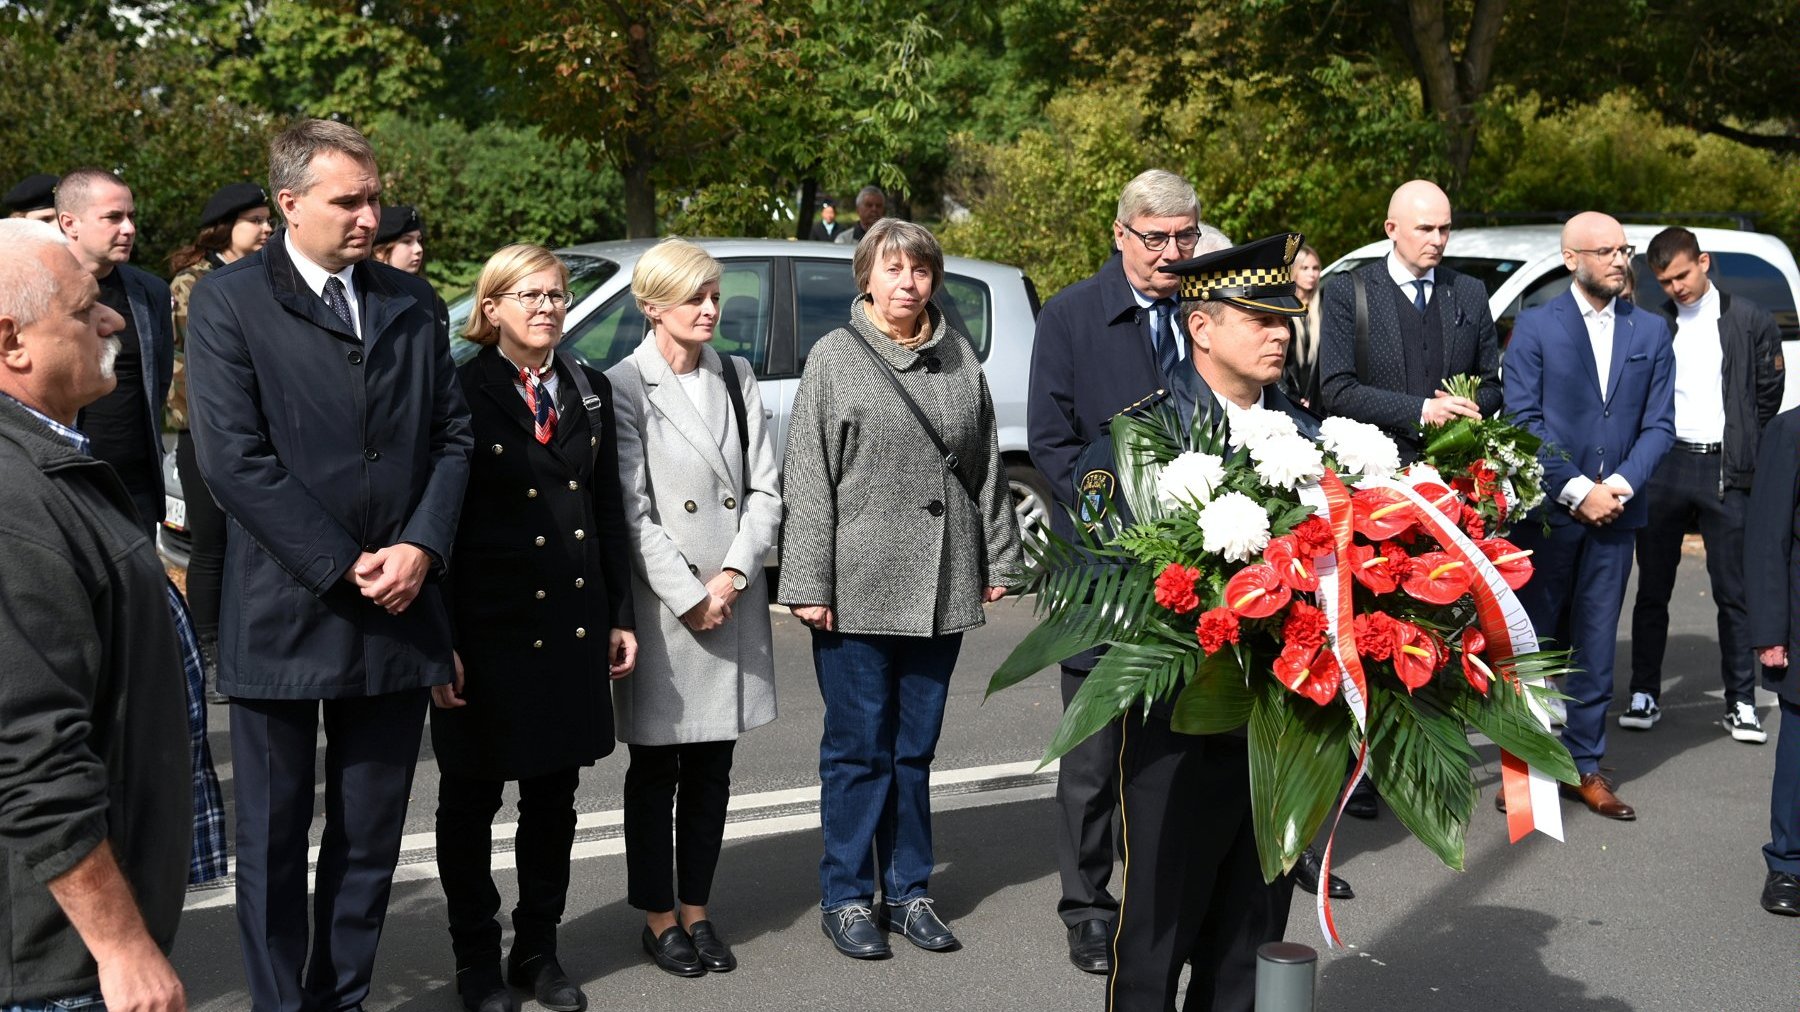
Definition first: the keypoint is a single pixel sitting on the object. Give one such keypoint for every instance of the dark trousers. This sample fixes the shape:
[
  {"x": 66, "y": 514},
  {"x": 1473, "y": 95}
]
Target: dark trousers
[
  {"x": 371, "y": 744},
  {"x": 465, "y": 821},
  {"x": 1783, "y": 849},
  {"x": 206, "y": 526},
  {"x": 1585, "y": 570},
  {"x": 695, "y": 781},
  {"x": 1193, "y": 891},
  {"x": 1087, "y": 795},
  {"x": 1686, "y": 490},
  {"x": 884, "y": 709}
]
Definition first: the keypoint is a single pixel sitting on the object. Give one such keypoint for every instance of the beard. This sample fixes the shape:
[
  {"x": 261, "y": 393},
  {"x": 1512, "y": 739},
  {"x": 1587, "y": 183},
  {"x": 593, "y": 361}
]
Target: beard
[
  {"x": 1600, "y": 286},
  {"x": 109, "y": 353}
]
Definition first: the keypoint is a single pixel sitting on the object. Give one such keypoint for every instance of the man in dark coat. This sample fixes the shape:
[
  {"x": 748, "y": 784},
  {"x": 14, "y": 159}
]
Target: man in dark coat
[
  {"x": 1103, "y": 344},
  {"x": 330, "y": 427},
  {"x": 96, "y": 210},
  {"x": 1728, "y": 384},
  {"x": 95, "y": 818},
  {"x": 1772, "y": 588},
  {"x": 1423, "y": 324},
  {"x": 827, "y": 228}
]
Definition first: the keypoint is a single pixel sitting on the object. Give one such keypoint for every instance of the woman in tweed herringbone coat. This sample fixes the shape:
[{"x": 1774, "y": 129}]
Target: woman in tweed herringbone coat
[{"x": 889, "y": 556}]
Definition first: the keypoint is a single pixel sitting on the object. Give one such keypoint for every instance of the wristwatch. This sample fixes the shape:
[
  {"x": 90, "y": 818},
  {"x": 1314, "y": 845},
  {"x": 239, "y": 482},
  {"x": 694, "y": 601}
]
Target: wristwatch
[{"x": 738, "y": 580}]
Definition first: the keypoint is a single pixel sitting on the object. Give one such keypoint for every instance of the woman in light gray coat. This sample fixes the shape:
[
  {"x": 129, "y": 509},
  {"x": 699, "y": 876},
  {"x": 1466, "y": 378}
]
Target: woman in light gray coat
[
  {"x": 889, "y": 554},
  {"x": 701, "y": 500}
]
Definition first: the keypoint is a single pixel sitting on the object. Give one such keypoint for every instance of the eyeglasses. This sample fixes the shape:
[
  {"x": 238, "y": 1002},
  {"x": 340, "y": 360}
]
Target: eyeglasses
[
  {"x": 534, "y": 300},
  {"x": 1611, "y": 251},
  {"x": 1185, "y": 241}
]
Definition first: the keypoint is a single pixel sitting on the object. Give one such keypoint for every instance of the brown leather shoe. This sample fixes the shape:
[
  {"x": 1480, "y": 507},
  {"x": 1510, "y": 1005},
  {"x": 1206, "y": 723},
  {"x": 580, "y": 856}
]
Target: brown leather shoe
[{"x": 1598, "y": 795}]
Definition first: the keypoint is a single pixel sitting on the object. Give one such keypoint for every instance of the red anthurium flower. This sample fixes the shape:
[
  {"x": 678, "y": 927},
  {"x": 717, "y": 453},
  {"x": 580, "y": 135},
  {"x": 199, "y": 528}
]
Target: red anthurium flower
[
  {"x": 1256, "y": 592},
  {"x": 1381, "y": 513},
  {"x": 1443, "y": 499},
  {"x": 1315, "y": 537},
  {"x": 1436, "y": 578},
  {"x": 1175, "y": 588},
  {"x": 1311, "y": 674},
  {"x": 1379, "y": 567},
  {"x": 1284, "y": 554},
  {"x": 1217, "y": 627},
  {"x": 1514, "y": 565},
  {"x": 1477, "y": 672},
  {"x": 1415, "y": 654}
]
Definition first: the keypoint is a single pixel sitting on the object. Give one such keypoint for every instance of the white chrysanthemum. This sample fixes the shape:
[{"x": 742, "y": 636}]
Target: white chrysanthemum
[
  {"x": 1419, "y": 474},
  {"x": 1287, "y": 461},
  {"x": 1234, "y": 526},
  {"x": 1190, "y": 478},
  {"x": 1360, "y": 447},
  {"x": 1253, "y": 426}
]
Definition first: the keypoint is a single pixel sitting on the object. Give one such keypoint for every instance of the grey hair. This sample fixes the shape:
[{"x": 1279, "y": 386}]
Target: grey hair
[
  {"x": 891, "y": 237},
  {"x": 1212, "y": 240},
  {"x": 75, "y": 190},
  {"x": 292, "y": 152},
  {"x": 871, "y": 191},
  {"x": 26, "y": 283},
  {"x": 1158, "y": 193}
]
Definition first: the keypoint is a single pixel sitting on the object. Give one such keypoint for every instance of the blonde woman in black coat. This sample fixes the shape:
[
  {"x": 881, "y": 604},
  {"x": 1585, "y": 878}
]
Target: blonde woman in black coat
[{"x": 541, "y": 613}]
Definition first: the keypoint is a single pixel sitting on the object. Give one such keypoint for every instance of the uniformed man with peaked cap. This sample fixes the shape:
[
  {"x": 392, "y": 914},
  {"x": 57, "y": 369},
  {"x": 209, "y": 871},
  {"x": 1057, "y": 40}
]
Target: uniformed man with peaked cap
[{"x": 1193, "y": 891}]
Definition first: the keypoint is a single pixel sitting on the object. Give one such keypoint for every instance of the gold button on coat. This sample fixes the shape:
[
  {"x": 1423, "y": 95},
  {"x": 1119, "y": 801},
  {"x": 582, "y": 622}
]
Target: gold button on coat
[
  {"x": 537, "y": 644},
  {"x": 691, "y": 506},
  {"x": 531, "y": 493},
  {"x": 574, "y": 486},
  {"x": 540, "y": 595},
  {"x": 579, "y": 583},
  {"x": 580, "y": 534},
  {"x": 593, "y": 440},
  {"x": 498, "y": 449},
  {"x": 730, "y": 503},
  {"x": 580, "y": 633},
  {"x": 538, "y": 541}
]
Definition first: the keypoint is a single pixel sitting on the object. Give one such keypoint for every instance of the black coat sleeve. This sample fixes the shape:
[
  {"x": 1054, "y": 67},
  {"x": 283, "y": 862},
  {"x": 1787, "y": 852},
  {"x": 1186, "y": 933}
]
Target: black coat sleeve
[
  {"x": 609, "y": 513},
  {"x": 1050, "y": 404},
  {"x": 1770, "y": 370},
  {"x": 1769, "y": 533}
]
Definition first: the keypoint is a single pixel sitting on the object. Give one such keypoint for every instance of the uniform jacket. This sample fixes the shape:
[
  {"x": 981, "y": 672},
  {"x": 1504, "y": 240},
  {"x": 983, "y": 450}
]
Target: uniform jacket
[
  {"x": 540, "y": 575},
  {"x": 1753, "y": 378},
  {"x": 877, "y": 527},
  {"x": 1470, "y": 346},
  {"x": 1553, "y": 390},
  {"x": 1772, "y": 551},
  {"x": 318, "y": 447},
  {"x": 93, "y": 718},
  {"x": 693, "y": 511}
]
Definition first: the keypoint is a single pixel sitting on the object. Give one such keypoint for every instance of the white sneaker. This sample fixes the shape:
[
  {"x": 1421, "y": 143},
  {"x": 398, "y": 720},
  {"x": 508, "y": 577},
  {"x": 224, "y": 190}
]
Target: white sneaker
[
  {"x": 1741, "y": 721},
  {"x": 1642, "y": 714}
]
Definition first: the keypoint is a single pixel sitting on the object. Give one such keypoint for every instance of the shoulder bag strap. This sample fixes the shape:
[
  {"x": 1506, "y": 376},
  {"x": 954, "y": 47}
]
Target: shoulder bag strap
[
  {"x": 1362, "y": 327},
  {"x": 596, "y": 410},
  {"x": 732, "y": 379},
  {"x": 950, "y": 459}
]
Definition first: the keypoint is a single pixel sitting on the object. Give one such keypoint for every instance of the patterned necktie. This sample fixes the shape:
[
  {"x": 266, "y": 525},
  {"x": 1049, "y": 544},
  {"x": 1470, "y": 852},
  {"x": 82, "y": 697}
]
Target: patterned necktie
[
  {"x": 537, "y": 401},
  {"x": 334, "y": 297},
  {"x": 1164, "y": 329},
  {"x": 1419, "y": 296}
]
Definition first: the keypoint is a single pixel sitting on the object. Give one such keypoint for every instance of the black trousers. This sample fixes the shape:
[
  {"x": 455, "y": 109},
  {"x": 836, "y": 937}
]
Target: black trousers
[
  {"x": 663, "y": 861},
  {"x": 1193, "y": 891},
  {"x": 465, "y": 820},
  {"x": 1087, "y": 796},
  {"x": 1685, "y": 490},
  {"x": 371, "y": 746},
  {"x": 206, "y": 526}
]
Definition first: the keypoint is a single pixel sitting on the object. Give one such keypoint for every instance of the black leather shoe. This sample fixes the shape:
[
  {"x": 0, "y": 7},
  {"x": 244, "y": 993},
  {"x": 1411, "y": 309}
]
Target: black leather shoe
[
  {"x": 853, "y": 931},
  {"x": 1090, "y": 945},
  {"x": 482, "y": 989},
  {"x": 714, "y": 954},
  {"x": 673, "y": 952},
  {"x": 1362, "y": 802},
  {"x": 543, "y": 976},
  {"x": 920, "y": 924},
  {"x": 1306, "y": 876},
  {"x": 1781, "y": 894}
]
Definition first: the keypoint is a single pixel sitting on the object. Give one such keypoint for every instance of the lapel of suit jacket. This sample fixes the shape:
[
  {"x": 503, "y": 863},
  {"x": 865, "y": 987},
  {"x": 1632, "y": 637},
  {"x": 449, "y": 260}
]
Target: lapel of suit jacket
[
  {"x": 1624, "y": 336},
  {"x": 666, "y": 396},
  {"x": 139, "y": 300},
  {"x": 382, "y": 303},
  {"x": 497, "y": 382},
  {"x": 1119, "y": 300},
  {"x": 1444, "y": 300},
  {"x": 1568, "y": 310},
  {"x": 290, "y": 290}
]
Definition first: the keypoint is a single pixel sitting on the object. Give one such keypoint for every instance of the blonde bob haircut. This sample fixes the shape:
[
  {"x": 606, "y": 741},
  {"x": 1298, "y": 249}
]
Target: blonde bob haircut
[
  {"x": 672, "y": 272},
  {"x": 501, "y": 274},
  {"x": 890, "y": 238}
]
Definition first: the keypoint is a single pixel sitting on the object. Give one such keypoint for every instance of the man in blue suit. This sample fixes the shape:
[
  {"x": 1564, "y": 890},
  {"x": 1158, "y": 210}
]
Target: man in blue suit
[{"x": 1594, "y": 376}]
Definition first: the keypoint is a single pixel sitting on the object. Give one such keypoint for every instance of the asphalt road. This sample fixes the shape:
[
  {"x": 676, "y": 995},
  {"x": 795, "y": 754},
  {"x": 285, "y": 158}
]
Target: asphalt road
[{"x": 1660, "y": 914}]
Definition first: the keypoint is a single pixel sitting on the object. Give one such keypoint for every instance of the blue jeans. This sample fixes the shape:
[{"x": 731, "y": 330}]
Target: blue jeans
[
  {"x": 90, "y": 1002},
  {"x": 884, "y": 706}
]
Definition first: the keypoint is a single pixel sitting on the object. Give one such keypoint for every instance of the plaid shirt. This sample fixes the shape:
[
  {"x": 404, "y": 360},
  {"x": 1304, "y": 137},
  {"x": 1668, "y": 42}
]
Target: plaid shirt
[{"x": 75, "y": 436}]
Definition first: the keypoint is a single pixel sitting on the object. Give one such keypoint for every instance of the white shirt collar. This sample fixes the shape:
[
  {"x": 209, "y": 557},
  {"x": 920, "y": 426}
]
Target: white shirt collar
[
  {"x": 1404, "y": 278},
  {"x": 315, "y": 276},
  {"x": 1605, "y": 312}
]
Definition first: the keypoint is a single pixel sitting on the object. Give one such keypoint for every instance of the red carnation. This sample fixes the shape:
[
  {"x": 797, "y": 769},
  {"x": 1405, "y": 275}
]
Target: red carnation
[
  {"x": 1175, "y": 588},
  {"x": 1376, "y": 636},
  {"x": 1315, "y": 535},
  {"x": 1472, "y": 523},
  {"x": 1379, "y": 567},
  {"x": 1217, "y": 627},
  {"x": 1305, "y": 627},
  {"x": 1256, "y": 592},
  {"x": 1311, "y": 674},
  {"x": 1284, "y": 554}
]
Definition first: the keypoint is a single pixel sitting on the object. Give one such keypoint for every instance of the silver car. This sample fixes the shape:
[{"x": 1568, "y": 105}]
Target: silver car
[{"x": 777, "y": 298}]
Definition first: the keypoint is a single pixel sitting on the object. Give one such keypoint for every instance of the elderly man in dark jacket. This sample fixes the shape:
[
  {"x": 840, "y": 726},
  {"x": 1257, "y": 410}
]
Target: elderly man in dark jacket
[
  {"x": 94, "y": 804},
  {"x": 330, "y": 427}
]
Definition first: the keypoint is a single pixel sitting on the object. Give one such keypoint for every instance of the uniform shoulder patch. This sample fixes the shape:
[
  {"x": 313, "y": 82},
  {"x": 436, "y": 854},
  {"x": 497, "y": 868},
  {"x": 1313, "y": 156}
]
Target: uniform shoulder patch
[{"x": 1097, "y": 488}]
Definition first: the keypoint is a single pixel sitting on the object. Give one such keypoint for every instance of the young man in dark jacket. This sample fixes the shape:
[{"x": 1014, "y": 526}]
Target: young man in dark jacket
[
  {"x": 1728, "y": 384},
  {"x": 95, "y": 826}
]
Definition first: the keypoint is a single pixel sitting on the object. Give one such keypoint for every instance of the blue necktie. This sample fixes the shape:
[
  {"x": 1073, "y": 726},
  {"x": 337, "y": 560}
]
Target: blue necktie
[
  {"x": 1163, "y": 327},
  {"x": 334, "y": 297},
  {"x": 1419, "y": 296}
]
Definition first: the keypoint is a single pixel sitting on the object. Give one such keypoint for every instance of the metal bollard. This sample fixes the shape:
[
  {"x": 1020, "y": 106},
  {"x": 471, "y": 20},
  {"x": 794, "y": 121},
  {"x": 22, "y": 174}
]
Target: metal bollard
[{"x": 1284, "y": 977}]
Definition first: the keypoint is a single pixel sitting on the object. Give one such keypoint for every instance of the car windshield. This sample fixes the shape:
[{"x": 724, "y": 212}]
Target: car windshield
[
  {"x": 1492, "y": 273},
  {"x": 586, "y": 273}
]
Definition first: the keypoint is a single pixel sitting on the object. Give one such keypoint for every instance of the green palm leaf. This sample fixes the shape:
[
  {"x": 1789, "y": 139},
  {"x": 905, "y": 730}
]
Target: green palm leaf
[
  {"x": 1080, "y": 606},
  {"x": 1217, "y": 700},
  {"x": 1296, "y": 768},
  {"x": 1420, "y": 760},
  {"x": 1504, "y": 717},
  {"x": 1119, "y": 680}
]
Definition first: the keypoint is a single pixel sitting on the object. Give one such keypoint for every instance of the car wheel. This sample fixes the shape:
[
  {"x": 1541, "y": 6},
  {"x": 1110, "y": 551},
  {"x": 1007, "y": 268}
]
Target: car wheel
[{"x": 1032, "y": 502}]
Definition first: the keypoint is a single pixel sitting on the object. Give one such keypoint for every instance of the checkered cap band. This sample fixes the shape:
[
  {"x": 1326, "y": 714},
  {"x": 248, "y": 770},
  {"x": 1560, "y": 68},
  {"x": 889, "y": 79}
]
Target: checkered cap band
[{"x": 1252, "y": 283}]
